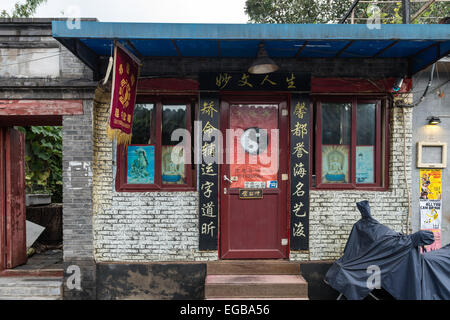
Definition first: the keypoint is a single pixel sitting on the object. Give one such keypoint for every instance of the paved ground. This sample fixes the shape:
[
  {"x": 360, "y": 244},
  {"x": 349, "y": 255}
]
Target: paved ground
[{"x": 51, "y": 259}]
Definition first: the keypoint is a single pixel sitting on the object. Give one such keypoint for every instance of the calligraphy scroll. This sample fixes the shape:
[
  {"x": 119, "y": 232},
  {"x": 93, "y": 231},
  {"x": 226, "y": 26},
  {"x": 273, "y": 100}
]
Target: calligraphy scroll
[
  {"x": 300, "y": 153},
  {"x": 209, "y": 173},
  {"x": 238, "y": 81},
  {"x": 123, "y": 96}
]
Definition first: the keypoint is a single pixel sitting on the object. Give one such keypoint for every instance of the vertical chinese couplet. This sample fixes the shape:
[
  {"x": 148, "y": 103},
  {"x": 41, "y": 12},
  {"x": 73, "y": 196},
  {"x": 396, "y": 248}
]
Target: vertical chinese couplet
[
  {"x": 299, "y": 133},
  {"x": 209, "y": 173}
]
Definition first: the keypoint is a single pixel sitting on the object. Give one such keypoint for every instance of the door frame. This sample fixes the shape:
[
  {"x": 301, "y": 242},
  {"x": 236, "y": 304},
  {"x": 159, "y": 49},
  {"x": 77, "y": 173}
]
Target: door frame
[
  {"x": 2, "y": 202},
  {"x": 283, "y": 100}
]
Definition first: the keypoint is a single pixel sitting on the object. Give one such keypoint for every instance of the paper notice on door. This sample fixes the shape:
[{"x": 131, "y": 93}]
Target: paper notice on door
[{"x": 254, "y": 184}]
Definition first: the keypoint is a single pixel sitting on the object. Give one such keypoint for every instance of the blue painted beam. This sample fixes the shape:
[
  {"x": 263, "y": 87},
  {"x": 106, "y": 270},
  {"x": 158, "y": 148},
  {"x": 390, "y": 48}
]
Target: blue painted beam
[{"x": 117, "y": 30}]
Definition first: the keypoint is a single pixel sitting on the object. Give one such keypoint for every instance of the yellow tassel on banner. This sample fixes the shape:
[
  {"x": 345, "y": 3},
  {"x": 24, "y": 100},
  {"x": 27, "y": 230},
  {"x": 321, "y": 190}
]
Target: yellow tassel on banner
[{"x": 121, "y": 138}]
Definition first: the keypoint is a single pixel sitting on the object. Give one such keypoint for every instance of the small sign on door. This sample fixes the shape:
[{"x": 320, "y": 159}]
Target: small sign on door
[{"x": 250, "y": 193}]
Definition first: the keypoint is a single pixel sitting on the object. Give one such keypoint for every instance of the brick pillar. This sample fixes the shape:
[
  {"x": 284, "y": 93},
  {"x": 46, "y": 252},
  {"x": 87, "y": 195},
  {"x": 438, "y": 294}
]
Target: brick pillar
[{"x": 78, "y": 236}]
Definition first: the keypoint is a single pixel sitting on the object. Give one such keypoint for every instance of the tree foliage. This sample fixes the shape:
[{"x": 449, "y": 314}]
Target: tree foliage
[
  {"x": 295, "y": 11},
  {"x": 331, "y": 11},
  {"x": 44, "y": 160},
  {"x": 24, "y": 10}
]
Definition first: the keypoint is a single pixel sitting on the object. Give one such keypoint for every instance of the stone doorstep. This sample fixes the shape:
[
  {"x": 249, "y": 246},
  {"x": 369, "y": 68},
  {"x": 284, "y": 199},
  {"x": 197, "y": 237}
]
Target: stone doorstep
[
  {"x": 253, "y": 267},
  {"x": 256, "y": 286}
]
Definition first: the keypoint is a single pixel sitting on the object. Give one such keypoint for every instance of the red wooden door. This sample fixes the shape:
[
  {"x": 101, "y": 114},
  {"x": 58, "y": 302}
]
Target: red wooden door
[
  {"x": 254, "y": 159},
  {"x": 13, "y": 198}
]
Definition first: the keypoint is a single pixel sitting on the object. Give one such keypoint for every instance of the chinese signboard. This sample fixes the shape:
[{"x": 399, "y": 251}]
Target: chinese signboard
[
  {"x": 123, "y": 96},
  {"x": 209, "y": 173},
  {"x": 238, "y": 81},
  {"x": 299, "y": 137}
]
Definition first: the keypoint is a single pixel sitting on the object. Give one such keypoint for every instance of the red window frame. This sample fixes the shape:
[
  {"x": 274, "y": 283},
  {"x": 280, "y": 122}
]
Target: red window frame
[
  {"x": 381, "y": 153},
  {"x": 121, "y": 174}
]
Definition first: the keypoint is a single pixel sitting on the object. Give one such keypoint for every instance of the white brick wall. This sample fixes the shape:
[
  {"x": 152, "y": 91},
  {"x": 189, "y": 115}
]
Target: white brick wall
[{"x": 163, "y": 226}]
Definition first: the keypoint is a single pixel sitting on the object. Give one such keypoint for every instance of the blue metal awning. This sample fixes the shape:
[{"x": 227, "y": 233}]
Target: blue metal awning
[{"x": 422, "y": 45}]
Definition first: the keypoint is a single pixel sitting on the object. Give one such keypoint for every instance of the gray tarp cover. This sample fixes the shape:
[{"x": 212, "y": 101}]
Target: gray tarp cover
[{"x": 404, "y": 272}]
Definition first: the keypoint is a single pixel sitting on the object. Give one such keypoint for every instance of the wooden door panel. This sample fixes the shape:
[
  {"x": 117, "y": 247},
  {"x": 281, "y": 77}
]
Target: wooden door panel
[
  {"x": 254, "y": 228},
  {"x": 15, "y": 198}
]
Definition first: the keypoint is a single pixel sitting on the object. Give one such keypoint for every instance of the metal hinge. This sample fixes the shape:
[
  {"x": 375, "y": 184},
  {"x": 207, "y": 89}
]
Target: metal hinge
[
  {"x": 284, "y": 242},
  {"x": 284, "y": 112},
  {"x": 224, "y": 190}
]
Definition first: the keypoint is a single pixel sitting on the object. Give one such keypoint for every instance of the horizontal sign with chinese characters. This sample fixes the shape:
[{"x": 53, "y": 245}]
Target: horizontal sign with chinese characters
[
  {"x": 250, "y": 193},
  {"x": 238, "y": 81}
]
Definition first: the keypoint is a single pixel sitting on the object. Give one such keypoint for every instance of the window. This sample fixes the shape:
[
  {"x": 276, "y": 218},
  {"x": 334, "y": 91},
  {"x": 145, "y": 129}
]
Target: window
[
  {"x": 159, "y": 156},
  {"x": 349, "y": 143}
]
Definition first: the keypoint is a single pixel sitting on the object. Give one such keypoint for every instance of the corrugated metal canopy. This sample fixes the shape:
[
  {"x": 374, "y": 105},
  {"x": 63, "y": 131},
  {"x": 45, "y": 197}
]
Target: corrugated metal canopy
[{"x": 421, "y": 44}]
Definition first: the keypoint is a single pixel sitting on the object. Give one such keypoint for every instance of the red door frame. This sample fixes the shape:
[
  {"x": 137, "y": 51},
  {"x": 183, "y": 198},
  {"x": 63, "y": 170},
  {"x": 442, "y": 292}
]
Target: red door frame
[
  {"x": 282, "y": 100},
  {"x": 2, "y": 202},
  {"x": 12, "y": 198}
]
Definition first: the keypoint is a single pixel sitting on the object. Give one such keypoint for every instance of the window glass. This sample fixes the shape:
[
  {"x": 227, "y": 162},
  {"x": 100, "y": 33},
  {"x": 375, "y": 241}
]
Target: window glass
[
  {"x": 172, "y": 157},
  {"x": 365, "y": 142},
  {"x": 336, "y": 142},
  {"x": 144, "y": 124}
]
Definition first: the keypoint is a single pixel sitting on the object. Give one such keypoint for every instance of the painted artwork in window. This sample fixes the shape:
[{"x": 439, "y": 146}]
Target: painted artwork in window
[
  {"x": 335, "y": 164},
  {"x": 141, "y": 164},
  {"x": 173, "y": 165},
  {"x": 365, "y": 172}
]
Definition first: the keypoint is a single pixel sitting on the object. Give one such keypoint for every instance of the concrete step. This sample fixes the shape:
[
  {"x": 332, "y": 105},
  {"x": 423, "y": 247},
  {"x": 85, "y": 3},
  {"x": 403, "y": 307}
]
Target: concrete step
[
  {"x": 31, "y": 288},
  {"x": 255, "y": 286},
  {"x": 253, "y": 267}
]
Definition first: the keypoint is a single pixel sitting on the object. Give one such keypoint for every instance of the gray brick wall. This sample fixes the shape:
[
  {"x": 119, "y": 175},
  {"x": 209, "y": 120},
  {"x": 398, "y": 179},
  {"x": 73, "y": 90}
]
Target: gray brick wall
[
  {"x": 78, "y": 237},
  {"x": 77, "y": 180}
]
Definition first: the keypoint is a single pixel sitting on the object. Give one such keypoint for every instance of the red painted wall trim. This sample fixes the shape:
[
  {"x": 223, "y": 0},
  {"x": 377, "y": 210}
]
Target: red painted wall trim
[
  {"x": 354, "y": 85},
  {"x": 40, "y": 107},
  {"x": 162, "y": 85}
]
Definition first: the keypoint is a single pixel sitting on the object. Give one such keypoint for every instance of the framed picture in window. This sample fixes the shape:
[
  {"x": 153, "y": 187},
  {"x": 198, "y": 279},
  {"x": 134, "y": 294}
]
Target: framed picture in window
[
  {"x": 365, "y": 164},
  {"x": 335, "y": 167},
  {"x": 141, "y": 164},
  {"x": 173, "y": 165}
]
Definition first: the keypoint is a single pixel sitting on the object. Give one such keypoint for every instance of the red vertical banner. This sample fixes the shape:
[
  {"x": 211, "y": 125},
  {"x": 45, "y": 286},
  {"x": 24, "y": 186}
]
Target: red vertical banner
[{"x": 123, "y": 96}]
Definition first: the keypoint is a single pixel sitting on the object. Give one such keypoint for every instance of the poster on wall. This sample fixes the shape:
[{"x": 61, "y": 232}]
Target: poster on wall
[
  {"x": 430, "y": 214},
  {"x": 335, "y": 164},
  {"x": 430, "y": 184},
  {"x": 141, "y": 164},
  {"x": 431, "y": 204}
]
